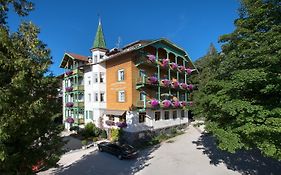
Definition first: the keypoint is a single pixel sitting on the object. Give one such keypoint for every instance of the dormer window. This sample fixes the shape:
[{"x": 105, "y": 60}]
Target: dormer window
[
  {"x": 95, "y": 58},
  {"x": 101, "y": 57}
]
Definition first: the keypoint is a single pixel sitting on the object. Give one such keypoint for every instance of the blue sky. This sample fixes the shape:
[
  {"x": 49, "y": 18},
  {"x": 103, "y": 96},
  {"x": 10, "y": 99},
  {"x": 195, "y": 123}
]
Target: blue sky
[{"x": 70, "y": 26}]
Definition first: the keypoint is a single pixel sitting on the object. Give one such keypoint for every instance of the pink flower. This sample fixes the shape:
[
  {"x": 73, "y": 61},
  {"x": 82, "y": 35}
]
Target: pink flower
[
  {"x": 69, "y": 73},
  {"x": 190, "y": 103},
  {"x": 165, "y": 62},
  {"x": 151, "y": 58},
  {"x": 153, "y": 79},
  {"x": 181, "y": 68},
  {"x": 69, "y": 104},
  {"x": 166, "y": 103},
  {"x": 68, "y": 89},
  {"x": 176, "y": 103},
  {"x": 175, "y": 84},
  {"x": 190, "y": 87},
  {"x": 69, "y": 120},
  {"x": 173, "y": 66},
  {"x": 183, "y": 86},
  {"x": 183, "y": 103},
  {"x": 189, "y": 71},
  {"x": 154, "y": 103},
  {"x": 166, "y": 82}
]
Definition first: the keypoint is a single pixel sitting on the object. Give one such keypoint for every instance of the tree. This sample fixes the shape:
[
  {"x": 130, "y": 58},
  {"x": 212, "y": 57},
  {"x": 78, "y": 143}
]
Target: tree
[
  {"x": 207, "y": 67},
  {"x": 243, "y": 100},
  {"x": 28, "y": 134}
]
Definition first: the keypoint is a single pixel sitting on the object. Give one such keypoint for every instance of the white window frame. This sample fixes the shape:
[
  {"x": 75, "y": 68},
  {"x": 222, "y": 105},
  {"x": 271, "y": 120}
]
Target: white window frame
[
  {"x": 120, "y": 98},
  {"x": 102, "y": 77},
  {"x": 96, "y": 96},
  {"x": 96, "y": 77},
  {"x": 120, "y": 77}
]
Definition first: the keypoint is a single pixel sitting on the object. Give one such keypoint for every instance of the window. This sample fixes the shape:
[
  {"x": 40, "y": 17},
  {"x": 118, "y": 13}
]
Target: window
[
  {"x": 101, "y": 57},
  {"x": 111, "y": 117},
  {"x": 102, "y": 77},
  {"x": 89, "y": 80},
  {"x": 142, "y": 117},
  {"x": 175, "y": 114},
  {"x": 121, "y": 96},
  {"x": 86, "y": 114},
  {"x": 182, "y": 113},
  {"x": 121, "y": 75},
  {"x": 102, "y": 97},
  {"x": 142, "y": 96},
  {"x": 167, "y": 115},
  {"x": 91, "y": 115},
  {"x": 89, "y": 97},
  {"x": 157, "y": 115},
  {"x": 96, "y": 80},
  {"x": 95, "y": 58},
  {"x": 96, "y": 98}
]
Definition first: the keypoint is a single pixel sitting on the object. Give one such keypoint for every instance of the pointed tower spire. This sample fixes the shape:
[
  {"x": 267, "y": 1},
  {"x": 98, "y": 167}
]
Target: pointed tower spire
[{"x": 99, "y": 41}]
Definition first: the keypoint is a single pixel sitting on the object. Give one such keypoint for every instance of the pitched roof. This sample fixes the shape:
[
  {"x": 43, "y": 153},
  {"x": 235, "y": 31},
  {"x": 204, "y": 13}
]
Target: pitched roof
[
  {"x": 99, "y": 41},
  {"x": 72, "y": 56}
]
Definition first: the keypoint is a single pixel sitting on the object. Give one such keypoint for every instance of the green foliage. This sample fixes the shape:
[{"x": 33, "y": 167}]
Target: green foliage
[
  {"x": 84, "y": 142},
  {"x": 115, "y": 134},
  {"x": 28, "y": 101},
  {"x": 74, "y": 128},
  {"x": 241, "y": 101},
  {"x": 103, "y": 134}
]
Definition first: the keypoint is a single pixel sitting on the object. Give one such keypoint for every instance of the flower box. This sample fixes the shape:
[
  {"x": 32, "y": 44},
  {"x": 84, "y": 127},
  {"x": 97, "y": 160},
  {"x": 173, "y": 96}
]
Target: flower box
[
  {"x": 183, "y": 103},
  {"x": 68, "y": 73},
  {"x": 166, "y": 82},
  {"x": 121, "y": 124},
  {"x": 166, "y": 103},
  {"x": 154, "y": 103},
  {"x": 165, "y": 62},
  {"x": 151, "y": 58},
  {"x": 173, "y": 66},
  {"x": 152, "y": 80},
  {"x": 176, "y": 104},
  {"x": 189, "y": 71},
  {"x": 190, "y": 87},
  {"x": 68, "y": 89},
  {"x": 183, "y": 86},
  {"x": 69, "y": 120},
  {"x": 175, "y": 84},
  {"x": 181, "y": 68},
  {"x": 69, "y": 104}
]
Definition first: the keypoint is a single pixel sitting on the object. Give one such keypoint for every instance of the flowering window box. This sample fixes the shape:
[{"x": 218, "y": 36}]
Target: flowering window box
[
  {"x": 68, "y": 73},
  {"x": 69, "y": 104},
  {"x": 183, "y": 86},
  {"x": 166, "y": 103},
  {"x": 175, "y": 84},
  {"x": 181, "y": 68},
  {"x": 166, "y": 82},
  {"x": 190, "y": 87},
  {"x": 68, "y": 89},
  {"x": 189, "y": 71},
  {"x": 165, "y": 62},
  {"x": 121, "y": 124},
  {"x": 151, "y": 58},
  {"x": 69, "y": 120},
  {"x": 176, "y": 104},
  {"x": 152, "y": 80},
  {"x": 173, "y": 66},
  {"x": 183, "y": 103},
  {"x": 154, "y": 103}
]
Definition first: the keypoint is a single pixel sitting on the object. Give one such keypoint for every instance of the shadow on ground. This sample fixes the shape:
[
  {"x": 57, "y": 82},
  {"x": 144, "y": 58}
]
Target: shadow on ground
[
  {"x": 245, "y": 162},
  {"x": 107, "y": 164},
  {"x": 72, "y": 143}
]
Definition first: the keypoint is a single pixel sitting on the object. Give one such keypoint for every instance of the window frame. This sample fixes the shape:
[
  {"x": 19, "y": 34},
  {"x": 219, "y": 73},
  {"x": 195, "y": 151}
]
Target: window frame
[
  {"x": 156, "y": 119},
  {"x": 119, "y": 96},
  {"x": 102, "y": 97},
  {"x": 142, "y": 117},
  {"x": 175, "y": 116},
  {"x": 96, "y": 96},
  {"x": 96, "y": 77},
  {"x": 102, "y": 78},
  {"x": 119, "y": 77},
  {"x": 166, "y": 112}
]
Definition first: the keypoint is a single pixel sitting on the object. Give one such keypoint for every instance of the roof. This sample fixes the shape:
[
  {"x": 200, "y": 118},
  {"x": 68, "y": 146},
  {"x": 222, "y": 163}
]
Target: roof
[
  {"x": 99, "y": 41},
  {"x": 115, "y": 112},
  {"x": 72, "y": 56}
]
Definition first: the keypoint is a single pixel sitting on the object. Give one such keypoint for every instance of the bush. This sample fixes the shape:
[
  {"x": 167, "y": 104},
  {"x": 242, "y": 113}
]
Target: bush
[
  {"x": 115, "y": 134},
  {"x": 174, "y": 131},
  {"x": 95, "y": 139},
  {"x": 103, "y": 134},
  {"x": 84, "y": 142}
]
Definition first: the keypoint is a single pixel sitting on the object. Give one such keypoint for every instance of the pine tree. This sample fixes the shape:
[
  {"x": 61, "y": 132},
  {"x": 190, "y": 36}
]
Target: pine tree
[
  {"x": 28, "y": 134},
  {"x": 243, "y": 100}
]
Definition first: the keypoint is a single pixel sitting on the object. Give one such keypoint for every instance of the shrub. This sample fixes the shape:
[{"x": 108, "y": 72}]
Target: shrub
[
  {"x": 174, "y": 131},
  {"x": 95, "y": 139},
  {"x": 84, "y": 142},
  {"x": 74, "y": 128},
  {"x": 103, "y": 134},
  {"x": 115, "y": 134}
]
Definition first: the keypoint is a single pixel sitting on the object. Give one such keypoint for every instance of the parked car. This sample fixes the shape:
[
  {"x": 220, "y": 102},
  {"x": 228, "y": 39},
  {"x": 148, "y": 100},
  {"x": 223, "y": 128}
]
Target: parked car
[{"x": 121, "y": 151}]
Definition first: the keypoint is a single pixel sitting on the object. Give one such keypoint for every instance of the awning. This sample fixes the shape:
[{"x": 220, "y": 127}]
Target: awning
[{"x": 115, "y": 112}]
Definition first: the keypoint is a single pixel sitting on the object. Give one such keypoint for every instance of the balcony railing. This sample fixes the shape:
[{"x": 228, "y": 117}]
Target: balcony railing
[
  {"x": 77, "y": 71},
  {"x": 78, "y": 88},
  {"x": 78, "y": 104}
]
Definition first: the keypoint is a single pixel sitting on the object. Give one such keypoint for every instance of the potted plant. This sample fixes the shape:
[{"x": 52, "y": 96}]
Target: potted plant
[
  {"x": 173, "y": 66},
  {"x": 151, "y": 58},
  {"x": 166, "y": 103},
  {"x": 175, "y": 84},
  {"x": 69, "y": 73},
  {"x": 68, "y": 89},
  {"x": 176, "y": 104},
  {"x": 189, "y": 71},
  {"x": 154, "y": 103},
  {"x": 152, "y": 80},
  {"x": 190, "y": 87},
  {"x": 181, "y": 68},
  {"x": 69, "y": 104},
  {"x": 166, "y": 82},
  {"x": 165, "y": 62},
  {"x": 183, "y": 86}
]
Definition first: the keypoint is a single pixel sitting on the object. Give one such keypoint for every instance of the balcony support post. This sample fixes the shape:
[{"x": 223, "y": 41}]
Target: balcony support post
[{"x": 158, "y": 74}]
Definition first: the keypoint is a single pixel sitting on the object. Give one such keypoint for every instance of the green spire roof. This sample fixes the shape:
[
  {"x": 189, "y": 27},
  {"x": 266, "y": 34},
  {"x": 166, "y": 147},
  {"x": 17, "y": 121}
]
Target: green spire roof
[{"x": 99, "y": 39}]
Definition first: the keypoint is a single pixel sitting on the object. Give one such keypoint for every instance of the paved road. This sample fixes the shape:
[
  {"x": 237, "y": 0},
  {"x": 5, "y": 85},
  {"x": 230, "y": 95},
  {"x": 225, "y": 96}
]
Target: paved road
[{"x": 192, "y": 153}]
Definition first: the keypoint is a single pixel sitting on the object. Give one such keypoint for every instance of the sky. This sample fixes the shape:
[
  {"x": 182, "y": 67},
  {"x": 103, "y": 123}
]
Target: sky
[{"x": 70, "y": 25}]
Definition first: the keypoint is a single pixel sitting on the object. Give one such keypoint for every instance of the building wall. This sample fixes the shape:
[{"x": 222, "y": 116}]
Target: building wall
[{"x": 113, "y": 85}]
